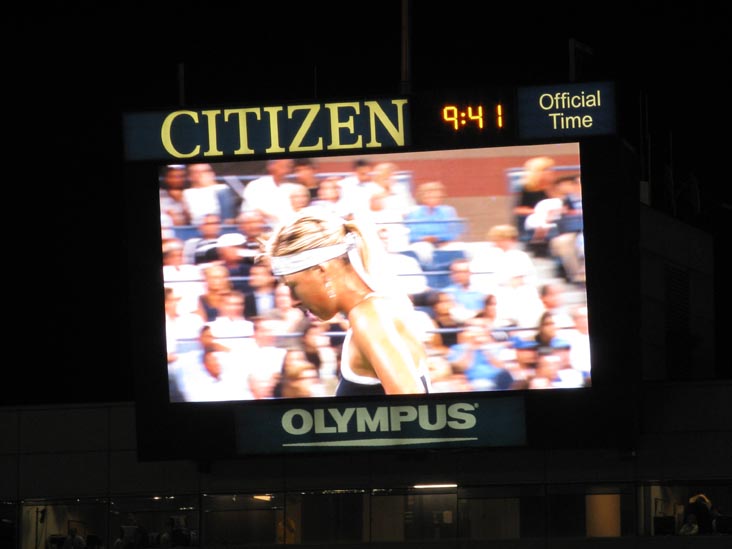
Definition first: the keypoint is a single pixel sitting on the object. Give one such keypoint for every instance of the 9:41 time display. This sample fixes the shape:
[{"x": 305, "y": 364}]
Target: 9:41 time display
[{"x": 459, "y": 117}]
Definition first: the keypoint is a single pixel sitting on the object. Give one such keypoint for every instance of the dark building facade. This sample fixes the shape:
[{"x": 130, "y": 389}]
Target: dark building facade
[{"x": 77, "y": 466}]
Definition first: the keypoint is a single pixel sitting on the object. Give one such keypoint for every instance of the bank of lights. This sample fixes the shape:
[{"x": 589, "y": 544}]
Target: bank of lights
[{"x": 429, "y": 486}]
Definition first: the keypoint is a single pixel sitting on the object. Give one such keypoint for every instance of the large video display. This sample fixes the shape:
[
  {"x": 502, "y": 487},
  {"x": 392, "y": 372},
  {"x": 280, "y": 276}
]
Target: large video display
[{"x": 486, "y": 246}]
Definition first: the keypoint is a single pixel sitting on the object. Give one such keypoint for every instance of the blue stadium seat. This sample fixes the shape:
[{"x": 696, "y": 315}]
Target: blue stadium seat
[
  {"x": 438, "y": 272},
  {"x": 187, "y": 345},
  {"x": 184, "y": 232},
  {"x": 437, "y": 279},
  {"x": 410, "y": 253},
  {"x": 443, "y": 258}
]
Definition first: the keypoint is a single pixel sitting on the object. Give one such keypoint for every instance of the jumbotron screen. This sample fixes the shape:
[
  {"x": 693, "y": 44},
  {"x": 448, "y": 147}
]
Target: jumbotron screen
[
  {"x": 488, "y": 245},
  {"x": 503, "y": 233}
]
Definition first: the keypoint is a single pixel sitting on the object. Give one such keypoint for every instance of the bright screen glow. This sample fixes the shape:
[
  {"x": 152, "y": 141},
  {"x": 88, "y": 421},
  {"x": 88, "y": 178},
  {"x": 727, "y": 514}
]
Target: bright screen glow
[{"x": 495, "y": 270}]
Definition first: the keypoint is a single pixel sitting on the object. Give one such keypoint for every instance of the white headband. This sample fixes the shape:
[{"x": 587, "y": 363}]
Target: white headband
[{"x": 293, "y": 263}]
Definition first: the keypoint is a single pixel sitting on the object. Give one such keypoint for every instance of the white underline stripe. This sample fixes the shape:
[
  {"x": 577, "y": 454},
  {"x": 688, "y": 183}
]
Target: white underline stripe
[{"x": 382, "y": 441}]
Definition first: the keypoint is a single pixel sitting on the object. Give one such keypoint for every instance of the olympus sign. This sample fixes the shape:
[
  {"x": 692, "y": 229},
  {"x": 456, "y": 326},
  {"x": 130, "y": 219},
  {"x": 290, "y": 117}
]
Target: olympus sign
[{"x": 298, "y": 421}]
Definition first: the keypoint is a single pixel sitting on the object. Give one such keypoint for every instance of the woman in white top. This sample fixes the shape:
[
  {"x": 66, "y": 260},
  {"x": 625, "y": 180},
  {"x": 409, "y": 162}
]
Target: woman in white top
[{"x": 326, "y": 261}]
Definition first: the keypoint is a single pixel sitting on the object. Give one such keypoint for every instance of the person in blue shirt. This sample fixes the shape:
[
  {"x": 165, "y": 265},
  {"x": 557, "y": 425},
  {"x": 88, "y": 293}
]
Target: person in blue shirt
[
  {"x": 468, "y": 300},
  {"x": 476, "y": 357},
  {"x": 432, "y": 224}
]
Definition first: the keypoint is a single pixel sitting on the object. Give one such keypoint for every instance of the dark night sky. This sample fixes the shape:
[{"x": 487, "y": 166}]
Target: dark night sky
[{"x": 69, "y": 78}]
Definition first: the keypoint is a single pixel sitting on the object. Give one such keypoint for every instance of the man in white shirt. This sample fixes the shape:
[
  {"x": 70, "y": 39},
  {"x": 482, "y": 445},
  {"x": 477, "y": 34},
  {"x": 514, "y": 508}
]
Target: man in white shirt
[
  {"x": 270, "y": 194},
  {"x": 215, "y": 378},
  {"x": 579, "y": 339},
  {"x": 406, "y": 269},
  {"x": 187, "y": 279},
  {"x": 354, "y": 188},
  {"x": 202, "y": 197},
  {"x": 231, "y": 328}
]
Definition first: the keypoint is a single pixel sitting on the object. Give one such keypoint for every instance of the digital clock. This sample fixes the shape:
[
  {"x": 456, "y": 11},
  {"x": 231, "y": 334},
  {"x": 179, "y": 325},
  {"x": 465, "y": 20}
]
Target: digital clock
[{"x": 464, "y": 116}]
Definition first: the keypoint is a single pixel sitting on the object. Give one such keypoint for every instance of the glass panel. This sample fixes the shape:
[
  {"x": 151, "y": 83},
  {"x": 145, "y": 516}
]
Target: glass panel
[
  {"x": 388, "y": 515},
  {"x": 49, "y": 523},
  {"x": 430, "y": 516},
  {"x": 240, "y": 519},
  {"x": 566, "y": 515},
  {"x": 665, "y": 508},
  {"x": 399, "y": 515},
  {"x": 602, "y": 512},
  {"x": 490, "y": 518},
  {"x": 8, "y": 524},
  {"x": 501, "y": 512},
  {"x": 154, "y": 521},
  {"x": 590, "y": 510},
  {"x": 381, "y": 515},
  {"x": 333, "y": 516}
]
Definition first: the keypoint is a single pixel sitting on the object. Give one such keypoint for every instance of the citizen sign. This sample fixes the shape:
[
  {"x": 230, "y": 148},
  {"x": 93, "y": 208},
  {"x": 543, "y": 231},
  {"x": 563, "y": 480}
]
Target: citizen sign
[{"x": 313, "y": 128}]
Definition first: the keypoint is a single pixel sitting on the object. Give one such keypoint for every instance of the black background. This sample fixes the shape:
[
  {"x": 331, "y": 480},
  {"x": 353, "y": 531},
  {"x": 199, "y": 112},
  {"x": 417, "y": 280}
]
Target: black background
[{"x": 70, "y": 75}]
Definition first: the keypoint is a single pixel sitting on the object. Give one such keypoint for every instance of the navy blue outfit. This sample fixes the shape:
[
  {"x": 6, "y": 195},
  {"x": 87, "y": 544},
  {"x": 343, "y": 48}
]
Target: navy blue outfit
[{"x": 349, "y": 388}]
